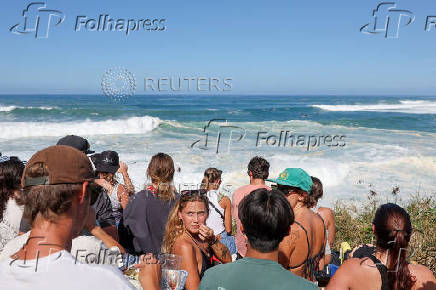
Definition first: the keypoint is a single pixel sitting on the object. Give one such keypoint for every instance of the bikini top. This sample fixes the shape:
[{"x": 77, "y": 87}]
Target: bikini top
[
  {"x": 311, "y": 263},
  {"x": 383, "y": 272},
  {"x": 206, "y": 264}
]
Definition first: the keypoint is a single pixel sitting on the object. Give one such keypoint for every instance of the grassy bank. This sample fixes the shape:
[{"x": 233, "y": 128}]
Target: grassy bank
[{"x": 354, "y": 225}]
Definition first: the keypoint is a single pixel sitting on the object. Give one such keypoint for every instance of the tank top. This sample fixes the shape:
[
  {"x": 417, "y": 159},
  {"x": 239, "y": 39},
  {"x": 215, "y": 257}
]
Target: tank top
[
  {"x": 215, "y": 220},
  {"x": 117, "y": 210}
]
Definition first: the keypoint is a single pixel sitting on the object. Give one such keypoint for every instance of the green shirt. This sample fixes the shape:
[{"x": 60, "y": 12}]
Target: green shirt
[{"x": 252, "y": 274}]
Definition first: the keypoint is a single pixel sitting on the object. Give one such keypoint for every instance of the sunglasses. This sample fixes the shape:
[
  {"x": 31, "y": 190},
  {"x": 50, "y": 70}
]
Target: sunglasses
[{"x": 193, "y": 192}]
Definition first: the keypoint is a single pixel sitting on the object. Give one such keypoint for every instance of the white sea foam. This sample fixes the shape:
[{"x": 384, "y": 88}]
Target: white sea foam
[
  {"x": 7, "y": 108},
  {"x": 134, "y": 125},
  {"x": 11, "y": 108},
  {"x": 405, "y": 106}
]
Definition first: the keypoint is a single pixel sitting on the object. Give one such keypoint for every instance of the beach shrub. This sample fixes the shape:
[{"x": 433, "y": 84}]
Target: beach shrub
[{"x": 354, "y": 225}]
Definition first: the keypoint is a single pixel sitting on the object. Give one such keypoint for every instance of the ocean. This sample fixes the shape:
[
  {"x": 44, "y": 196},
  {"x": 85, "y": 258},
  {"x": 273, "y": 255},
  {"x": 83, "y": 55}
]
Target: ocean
[{"x": 354, "y": 144}]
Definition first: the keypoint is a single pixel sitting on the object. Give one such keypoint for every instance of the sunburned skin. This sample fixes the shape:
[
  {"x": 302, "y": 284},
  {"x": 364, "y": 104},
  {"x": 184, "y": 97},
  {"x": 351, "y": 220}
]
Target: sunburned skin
[
  {"x": 289, "y": 256},
  {"x": 196, "y": 238}
]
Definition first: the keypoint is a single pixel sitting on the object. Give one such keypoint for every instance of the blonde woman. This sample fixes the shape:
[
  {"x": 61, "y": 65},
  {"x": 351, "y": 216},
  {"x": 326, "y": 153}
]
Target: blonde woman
[
  {"x": 220, "y": 209},
  {"x": 188, "y": 236}
]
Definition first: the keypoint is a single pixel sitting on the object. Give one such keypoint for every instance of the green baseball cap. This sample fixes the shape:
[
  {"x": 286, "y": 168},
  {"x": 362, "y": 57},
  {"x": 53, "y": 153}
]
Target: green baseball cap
[{"x": 295, "y": 177}]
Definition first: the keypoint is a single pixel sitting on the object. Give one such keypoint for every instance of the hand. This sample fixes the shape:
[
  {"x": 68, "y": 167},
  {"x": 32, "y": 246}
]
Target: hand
[
  {"x": 206, "y": 234},
  {"x": 150, "y": 272},
  {"x": 123, "y": 168},
  {"x": 90, "y": 222},
  {"x": 103, "y": 183}
]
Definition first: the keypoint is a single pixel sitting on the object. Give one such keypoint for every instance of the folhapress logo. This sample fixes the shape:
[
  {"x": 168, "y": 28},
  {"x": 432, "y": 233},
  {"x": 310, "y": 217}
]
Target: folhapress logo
[
  {"x": 388, "y": 20},
  {"x": 37, "y": 19}
]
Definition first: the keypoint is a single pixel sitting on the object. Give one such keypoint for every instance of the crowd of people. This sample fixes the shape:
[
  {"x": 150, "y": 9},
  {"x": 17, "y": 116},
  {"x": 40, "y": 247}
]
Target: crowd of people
[{"x": 61, "y": 208}]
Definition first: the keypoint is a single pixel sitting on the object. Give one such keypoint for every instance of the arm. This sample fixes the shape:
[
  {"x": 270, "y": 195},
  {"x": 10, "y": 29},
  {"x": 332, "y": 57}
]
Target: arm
[
  {"x": 287, "y": 246},
  {"x": 189, "y": 264},
  {"x": 328, "y": 215},
  {"x": 123, "y": 196},
  {"x": 96, "y": 231},
  {"x": 226, "y": 204},
  {"x": 107, "y": 240},
  {"x": 341, "y": 279},
  {"x": 150, "y": 273},
  {"x": 221, "y": 252},
  {"x": 127, "y": 182}
]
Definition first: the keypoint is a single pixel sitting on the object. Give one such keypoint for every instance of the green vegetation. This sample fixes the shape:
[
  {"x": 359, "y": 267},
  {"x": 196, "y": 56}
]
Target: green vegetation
[{"x": 354, "y": 225}]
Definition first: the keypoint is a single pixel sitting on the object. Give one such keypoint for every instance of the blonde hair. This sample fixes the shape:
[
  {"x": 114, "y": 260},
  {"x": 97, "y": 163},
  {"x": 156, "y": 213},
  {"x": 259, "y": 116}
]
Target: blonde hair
[
  {"x": 211, "y": 175},
  {"x": 161, "y": 172},
  {"x": 174, "y": 227}
]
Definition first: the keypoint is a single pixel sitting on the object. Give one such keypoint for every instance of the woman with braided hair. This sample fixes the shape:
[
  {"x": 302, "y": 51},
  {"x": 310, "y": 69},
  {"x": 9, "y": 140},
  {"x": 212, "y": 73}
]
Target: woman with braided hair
[{"x": 388, "y": 268}]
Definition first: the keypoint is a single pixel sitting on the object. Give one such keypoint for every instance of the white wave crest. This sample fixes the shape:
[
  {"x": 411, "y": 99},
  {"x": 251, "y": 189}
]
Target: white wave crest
[
  {"x": 405, "y": 106},
  {"x": 11, "y": 108},
  {"x": 134, "y": 125}
]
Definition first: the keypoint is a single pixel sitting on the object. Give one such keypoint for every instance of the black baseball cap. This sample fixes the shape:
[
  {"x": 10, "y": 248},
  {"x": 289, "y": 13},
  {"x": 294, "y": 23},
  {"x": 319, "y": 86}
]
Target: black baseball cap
[
  {"x": 106, "y": 161},
  {"x": 77, "y": 142}
]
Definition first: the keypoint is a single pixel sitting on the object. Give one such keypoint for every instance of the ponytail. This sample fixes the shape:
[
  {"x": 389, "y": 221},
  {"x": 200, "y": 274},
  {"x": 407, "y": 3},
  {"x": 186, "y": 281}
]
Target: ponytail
[
  {"x": 398, "y": 271},
  {"x": 211, "y": 175},
  {"x": 393, "y": 230}
]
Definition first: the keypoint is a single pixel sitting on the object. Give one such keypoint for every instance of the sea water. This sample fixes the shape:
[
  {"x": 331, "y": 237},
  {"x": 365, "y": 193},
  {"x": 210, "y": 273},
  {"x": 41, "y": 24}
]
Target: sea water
[{"x": 378, "y": 143}]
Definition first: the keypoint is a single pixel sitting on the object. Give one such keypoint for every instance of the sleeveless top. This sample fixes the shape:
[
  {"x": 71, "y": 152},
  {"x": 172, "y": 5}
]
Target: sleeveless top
[
  {"x": 215, "y": 220},
  {"x": 383, "y": 272},
  {"x": 311, "y": 263},
  {"x": 206, "y": 264},
  {"x": 117, "y": 210}
]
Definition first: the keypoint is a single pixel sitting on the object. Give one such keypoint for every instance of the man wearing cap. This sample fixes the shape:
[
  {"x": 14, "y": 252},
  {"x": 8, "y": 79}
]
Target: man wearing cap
[
  {"x": 55, "y": 185},
  {"x": 101, "y": 204},
  {"x": 302, "y": 249}
]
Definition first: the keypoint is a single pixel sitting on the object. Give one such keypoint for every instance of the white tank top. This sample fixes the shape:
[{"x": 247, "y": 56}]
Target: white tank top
[
  {"x": 215, "y": 221},
  {"x": 117, "y": 210}
]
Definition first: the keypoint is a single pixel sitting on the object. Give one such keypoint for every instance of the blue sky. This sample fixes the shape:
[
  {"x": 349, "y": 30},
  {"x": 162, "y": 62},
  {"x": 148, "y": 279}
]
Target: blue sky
[{"x": 266, "y": 47}]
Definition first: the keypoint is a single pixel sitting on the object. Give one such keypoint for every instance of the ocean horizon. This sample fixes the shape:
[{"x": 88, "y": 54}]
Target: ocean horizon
[{"x": 354, "y": 144}]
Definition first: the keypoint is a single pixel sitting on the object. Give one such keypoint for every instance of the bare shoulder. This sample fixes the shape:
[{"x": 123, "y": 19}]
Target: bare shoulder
[
  {"x": 422, "y": 274},
  {"x": 183, "y": 247},
  {"x": 326, "y": 212}
]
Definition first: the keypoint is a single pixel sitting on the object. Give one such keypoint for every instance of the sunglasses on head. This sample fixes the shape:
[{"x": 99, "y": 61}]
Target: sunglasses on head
[{"x": 194, "y": 192}]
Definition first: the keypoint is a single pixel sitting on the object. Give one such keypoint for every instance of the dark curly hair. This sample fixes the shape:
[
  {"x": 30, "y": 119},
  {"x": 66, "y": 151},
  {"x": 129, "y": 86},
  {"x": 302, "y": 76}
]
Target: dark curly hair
[
  {"x": 259, "y": 167},
  {"x": 10, "y": 180}
]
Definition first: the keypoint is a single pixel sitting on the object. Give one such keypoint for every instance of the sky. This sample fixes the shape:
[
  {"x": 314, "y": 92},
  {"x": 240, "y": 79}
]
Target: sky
[{"x": 264, "y": 47}]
